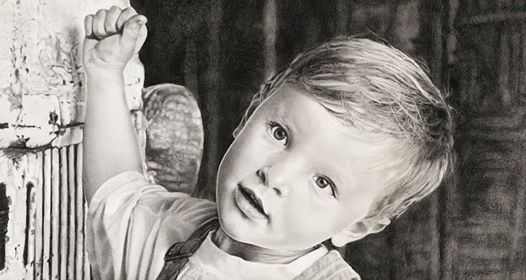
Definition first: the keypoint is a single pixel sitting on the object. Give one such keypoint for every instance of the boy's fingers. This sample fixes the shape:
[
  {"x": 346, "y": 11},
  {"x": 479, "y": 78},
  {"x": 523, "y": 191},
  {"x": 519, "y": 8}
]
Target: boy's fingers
[
  {"x": 124, "y": 16},
  {"x": 110, "y": 23},
  {"x": 89, "y": 41},
  {"x": 133, "y": 29},
  {"x": 98, "y": 24},
  {"x": 88, "y": 25}
]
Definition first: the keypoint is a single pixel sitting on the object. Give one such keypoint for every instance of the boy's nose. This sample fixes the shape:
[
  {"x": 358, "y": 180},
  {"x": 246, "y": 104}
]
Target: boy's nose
[{"x": 272, "y": 180}]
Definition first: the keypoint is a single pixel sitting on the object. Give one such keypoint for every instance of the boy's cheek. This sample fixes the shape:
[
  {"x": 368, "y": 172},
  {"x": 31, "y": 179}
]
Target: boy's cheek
[
  {"x": 318, "y": 221},
  {"x": 249, "y": 153}
]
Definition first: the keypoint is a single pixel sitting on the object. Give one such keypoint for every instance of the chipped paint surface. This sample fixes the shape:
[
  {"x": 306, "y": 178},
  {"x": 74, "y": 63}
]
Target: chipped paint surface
[
  {"x": 41, "y": 76},
  {"x": 42, "y": 99},
  {"x": 15, "y": 172}
]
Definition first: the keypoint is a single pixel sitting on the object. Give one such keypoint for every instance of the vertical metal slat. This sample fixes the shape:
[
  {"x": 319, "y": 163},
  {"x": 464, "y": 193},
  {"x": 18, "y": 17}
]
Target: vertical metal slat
[
  {"x": 79, "y": 203},
  {"x": 71, "y": 213},
  {"x": 55, "y": 199},
  {"x": 34, "y": 178},
  {"x": 46, "y": 227},
  {"x": 63, "y": 212},
  {"x": 56, "y": 214},
  {"x": 86, "y": 266},
  {"x": 39, "y": 214}
]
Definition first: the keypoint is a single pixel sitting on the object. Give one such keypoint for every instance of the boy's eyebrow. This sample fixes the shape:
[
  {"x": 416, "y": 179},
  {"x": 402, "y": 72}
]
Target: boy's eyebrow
[{"x": 284, "y": 118}]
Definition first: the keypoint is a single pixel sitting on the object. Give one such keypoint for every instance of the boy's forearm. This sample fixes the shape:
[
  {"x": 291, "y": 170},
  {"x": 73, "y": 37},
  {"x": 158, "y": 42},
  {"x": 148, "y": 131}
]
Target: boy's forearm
[{"x": 110, "y": 142}]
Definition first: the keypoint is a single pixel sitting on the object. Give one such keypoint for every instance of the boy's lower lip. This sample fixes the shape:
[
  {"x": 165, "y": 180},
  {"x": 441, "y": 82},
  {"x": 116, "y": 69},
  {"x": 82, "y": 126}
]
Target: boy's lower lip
[{"x": 246, "y": 206}]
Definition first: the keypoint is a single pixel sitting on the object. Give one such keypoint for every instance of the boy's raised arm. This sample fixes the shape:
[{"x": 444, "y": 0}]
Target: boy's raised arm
[{"x": 110, "y": 145}]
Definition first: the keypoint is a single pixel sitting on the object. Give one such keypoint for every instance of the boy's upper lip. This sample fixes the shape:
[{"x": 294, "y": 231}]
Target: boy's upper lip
[{"x": 254, "y": 196}]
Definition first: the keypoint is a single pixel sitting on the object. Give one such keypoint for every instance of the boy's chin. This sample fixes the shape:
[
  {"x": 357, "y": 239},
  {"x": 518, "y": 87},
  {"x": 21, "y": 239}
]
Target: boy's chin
[
  {"x": 248, "y": 237},
  {"x": 242, "y": 232}
]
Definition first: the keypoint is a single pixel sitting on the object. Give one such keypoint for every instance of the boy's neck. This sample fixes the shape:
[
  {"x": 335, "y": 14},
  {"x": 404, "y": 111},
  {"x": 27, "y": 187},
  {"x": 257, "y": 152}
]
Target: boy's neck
[{"x": 253, "y": 253}]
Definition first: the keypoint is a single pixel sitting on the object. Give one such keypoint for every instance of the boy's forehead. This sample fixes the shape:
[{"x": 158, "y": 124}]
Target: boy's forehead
[{"x": 294, "y": 103}]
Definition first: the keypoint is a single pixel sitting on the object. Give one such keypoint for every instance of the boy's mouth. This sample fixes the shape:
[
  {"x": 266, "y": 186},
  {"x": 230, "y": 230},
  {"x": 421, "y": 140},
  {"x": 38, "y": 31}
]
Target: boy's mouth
[{"x": 252, "y": 199}]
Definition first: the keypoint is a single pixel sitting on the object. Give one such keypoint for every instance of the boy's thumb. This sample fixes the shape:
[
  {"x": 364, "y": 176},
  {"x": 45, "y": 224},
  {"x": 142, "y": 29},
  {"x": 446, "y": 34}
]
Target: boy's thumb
[{"x": 133, "y": 29}]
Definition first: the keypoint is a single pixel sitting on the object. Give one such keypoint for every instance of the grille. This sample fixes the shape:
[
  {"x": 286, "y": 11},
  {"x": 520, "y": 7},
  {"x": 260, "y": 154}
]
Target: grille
[{"x": 56, "y": 211}]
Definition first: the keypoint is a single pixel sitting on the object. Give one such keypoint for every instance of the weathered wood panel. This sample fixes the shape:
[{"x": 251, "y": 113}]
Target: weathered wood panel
[{"x": 490, "y": 94}]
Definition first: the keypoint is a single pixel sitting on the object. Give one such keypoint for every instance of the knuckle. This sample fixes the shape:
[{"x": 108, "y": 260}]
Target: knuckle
[
  {"x": 99, "y": 33},
  {"x": 109, "y": 24},
  {"x": 109, "y": 27}
]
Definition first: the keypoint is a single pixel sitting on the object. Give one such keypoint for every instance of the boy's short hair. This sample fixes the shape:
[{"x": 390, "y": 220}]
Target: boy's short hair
[{"x": 377, "y": 88}]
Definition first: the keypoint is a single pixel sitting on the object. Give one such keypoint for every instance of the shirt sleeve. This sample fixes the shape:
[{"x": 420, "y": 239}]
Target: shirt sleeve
[{"x": 131, "y": 224}]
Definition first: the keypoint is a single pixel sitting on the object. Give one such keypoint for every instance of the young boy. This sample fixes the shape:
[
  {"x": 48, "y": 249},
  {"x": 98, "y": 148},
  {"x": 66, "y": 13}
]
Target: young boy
[{"x": 336, "y": 145}]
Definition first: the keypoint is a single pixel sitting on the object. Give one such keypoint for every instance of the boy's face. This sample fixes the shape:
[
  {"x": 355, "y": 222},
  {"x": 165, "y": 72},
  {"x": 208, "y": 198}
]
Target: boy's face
[{"x": 296, "y": 176}]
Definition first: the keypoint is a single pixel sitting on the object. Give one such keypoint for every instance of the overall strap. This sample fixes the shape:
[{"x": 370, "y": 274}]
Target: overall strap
[{"x": 177, "y": 256}]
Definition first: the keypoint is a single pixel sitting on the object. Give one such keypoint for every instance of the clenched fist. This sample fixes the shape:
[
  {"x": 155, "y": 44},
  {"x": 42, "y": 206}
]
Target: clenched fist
[{"x": 113, "y": 37}]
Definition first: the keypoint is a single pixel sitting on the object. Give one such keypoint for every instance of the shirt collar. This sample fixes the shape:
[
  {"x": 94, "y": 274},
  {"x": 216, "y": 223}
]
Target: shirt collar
[{"x": 232, "y": 267}]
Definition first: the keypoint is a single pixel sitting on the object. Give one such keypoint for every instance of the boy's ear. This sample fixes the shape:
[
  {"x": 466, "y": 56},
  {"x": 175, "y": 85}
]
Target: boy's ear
[{"x": 359, "y": 230}]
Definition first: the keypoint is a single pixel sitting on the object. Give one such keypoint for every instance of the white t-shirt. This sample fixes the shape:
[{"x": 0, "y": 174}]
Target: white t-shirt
[{"x": 132, "y": 223}]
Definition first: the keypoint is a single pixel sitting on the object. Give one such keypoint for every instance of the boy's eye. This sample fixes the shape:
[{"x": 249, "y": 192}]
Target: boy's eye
[
  {"x": 278, "y": 133},
  {"x": 325, "y": 185}
]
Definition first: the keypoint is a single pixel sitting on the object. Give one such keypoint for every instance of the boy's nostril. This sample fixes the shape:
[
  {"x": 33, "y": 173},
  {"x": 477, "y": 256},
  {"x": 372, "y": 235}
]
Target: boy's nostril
[{"x": 261, "y": 174}]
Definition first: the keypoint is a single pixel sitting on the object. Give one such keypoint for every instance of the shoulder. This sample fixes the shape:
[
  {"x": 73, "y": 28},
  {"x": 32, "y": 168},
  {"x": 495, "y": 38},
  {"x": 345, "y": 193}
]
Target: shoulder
[
  {"x": 331, "y": 266},
  {"x": 148, "y": 207},
  {"x": 131, "y": 190},
  {"x": 132, "y": 223}
]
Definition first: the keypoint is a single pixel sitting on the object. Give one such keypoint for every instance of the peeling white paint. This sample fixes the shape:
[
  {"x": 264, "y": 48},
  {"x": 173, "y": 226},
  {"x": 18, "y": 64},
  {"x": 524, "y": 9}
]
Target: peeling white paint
[
  {"x": 16, "y": 172},
  {"x": 42, "y": 99},
  {"x": 42, "y": 57}
]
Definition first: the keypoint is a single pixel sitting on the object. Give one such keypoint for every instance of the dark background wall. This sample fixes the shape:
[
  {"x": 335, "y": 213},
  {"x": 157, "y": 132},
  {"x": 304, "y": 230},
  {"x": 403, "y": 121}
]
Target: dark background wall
[{"x": 473, "y": 226}]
